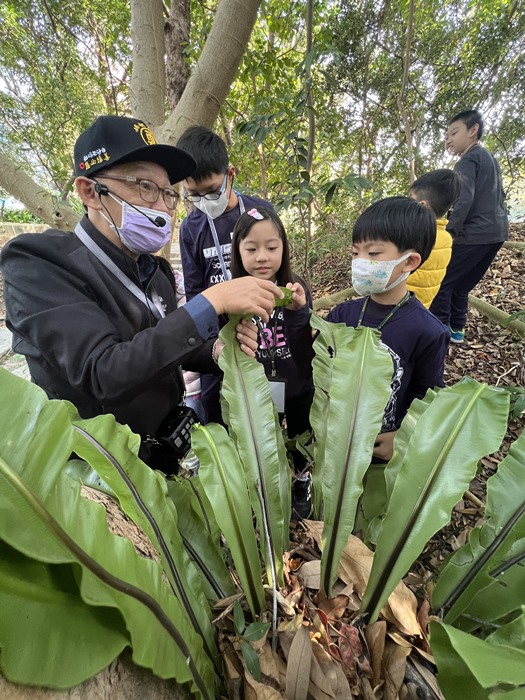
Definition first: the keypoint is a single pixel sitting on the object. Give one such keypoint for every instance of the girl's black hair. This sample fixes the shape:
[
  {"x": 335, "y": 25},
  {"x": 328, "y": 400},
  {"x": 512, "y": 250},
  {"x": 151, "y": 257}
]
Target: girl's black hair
[
  {"x": 401, "y": 221},
  {"x": 242, "y": 229}
]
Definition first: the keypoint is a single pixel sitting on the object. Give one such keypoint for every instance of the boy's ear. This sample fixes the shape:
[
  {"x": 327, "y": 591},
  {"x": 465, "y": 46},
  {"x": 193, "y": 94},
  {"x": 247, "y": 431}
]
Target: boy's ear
[{"x": 412, "y": 262}]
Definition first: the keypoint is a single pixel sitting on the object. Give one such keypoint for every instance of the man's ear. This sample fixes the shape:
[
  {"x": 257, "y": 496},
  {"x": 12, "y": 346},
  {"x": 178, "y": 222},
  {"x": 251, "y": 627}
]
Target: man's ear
[{"x": 86, "y": 191}]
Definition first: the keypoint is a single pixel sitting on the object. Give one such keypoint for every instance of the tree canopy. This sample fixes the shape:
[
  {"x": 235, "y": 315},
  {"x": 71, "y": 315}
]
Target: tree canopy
[{"x": 315, "y": 100}]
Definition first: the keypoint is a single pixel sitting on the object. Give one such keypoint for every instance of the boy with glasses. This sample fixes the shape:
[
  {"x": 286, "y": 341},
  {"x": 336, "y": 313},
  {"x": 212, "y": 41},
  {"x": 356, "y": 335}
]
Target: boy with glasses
[{"x": 206, "y": 233}]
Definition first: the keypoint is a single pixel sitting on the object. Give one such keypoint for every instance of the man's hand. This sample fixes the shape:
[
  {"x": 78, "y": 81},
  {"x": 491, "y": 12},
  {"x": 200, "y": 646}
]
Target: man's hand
[
  {"x": 299, "y": 296},
  {"x": 384, "y": 445},
  {"x": 245, "y": 295}
]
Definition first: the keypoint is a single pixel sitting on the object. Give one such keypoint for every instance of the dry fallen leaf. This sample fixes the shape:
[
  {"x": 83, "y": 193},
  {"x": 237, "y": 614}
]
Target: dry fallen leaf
[
  {"x": 310, "y": 573},
  {"x": 375, "y": 635},
  {"x": 394, "y": 665},
  {"x": 298, "y": 667}
]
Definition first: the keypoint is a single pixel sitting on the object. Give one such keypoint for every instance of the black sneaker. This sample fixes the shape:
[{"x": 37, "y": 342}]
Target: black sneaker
[{"x": 302, "y": 498}]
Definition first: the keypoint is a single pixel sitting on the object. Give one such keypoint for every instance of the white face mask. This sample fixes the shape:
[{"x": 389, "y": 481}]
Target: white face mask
[
  {"x": 214, "y": 208},
  {"x": 372, "y": 276}
]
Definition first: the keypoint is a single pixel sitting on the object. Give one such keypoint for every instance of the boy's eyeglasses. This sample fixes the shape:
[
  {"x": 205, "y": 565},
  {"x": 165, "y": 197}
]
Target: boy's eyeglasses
[
  {"x": 149, "y": 191},
  {"x": 210, "y": 196}
]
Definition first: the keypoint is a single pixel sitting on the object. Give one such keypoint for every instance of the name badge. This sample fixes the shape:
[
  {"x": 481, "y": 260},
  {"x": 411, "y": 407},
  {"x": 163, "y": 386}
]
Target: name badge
[{"x": 278, "y": 392}]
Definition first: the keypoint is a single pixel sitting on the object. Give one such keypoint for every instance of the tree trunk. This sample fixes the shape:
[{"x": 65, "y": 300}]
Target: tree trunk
[
  {"x": 215, "y": 70},
  {"x": 200, "y": 103},
  {"x": 177, "y": 32},
  {"x": 41, "y": 203},
  {"x": 402, "y": 93},
  {"x": 148, "y": 81},
  {"x": 311, "y": 116}
]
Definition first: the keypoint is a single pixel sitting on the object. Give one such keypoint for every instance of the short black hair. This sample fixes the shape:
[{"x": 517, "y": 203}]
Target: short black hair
[
  {"x": 440, "y": 188},
  {"x": 207, "y": 149},
  {"x": 470, "y": 117},
  {"x": 242, "y": 229},
  {"x": 398, "y": 220}
]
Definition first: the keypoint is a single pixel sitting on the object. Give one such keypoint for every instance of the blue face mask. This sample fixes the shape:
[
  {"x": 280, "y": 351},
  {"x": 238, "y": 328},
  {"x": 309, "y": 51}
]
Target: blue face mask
[
  {"x": 372, "y": 276},
  {"x": 138, "y": 233}
]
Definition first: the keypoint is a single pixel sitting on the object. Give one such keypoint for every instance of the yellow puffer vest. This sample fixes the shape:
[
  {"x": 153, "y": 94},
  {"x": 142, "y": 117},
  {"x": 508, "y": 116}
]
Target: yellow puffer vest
[{"x": 426, "y": 280}]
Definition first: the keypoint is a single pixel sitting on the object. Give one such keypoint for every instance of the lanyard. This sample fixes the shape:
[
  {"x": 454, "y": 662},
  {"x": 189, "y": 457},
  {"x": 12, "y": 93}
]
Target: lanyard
[
  {"x": 157, "y": 309},
  {"x": 388, "y": 316},
  {"x": 225, "y": 272}
]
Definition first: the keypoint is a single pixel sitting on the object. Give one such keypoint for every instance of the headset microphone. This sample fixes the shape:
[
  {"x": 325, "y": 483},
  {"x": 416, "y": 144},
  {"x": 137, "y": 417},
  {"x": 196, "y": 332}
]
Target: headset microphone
[
  {"x": 101, "y": 189},
  {"x": 158, "y": 220}
]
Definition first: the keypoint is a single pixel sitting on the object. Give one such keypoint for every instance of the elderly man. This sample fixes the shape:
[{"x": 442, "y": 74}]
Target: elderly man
[{"x": 94, "y": 311}]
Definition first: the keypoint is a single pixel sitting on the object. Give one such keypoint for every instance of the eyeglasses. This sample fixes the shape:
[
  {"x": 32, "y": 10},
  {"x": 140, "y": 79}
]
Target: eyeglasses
[
  {"x": 149, "y": 191},
  {"x": 210, "y": 196}
]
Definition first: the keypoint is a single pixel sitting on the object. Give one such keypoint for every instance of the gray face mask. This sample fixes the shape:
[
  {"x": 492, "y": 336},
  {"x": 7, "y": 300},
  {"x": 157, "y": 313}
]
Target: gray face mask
[{"x": 214, "y": 208}]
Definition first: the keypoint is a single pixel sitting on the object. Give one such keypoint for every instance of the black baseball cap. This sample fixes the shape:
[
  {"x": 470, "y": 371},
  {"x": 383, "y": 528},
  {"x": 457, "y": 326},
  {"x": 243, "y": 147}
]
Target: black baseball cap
[{"x": 111, "y": 140}]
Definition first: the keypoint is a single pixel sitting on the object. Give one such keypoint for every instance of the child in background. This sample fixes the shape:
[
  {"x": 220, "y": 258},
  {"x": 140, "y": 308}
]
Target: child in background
[
  {"x": 436, "y": 190},
  {"x": 260, "y": 249},
  {"x": 390, "y": 240},
  {"x": 192, "y": 380},
  {"x": 478, "y": 221},
  {"x": 206, "y": 233}
]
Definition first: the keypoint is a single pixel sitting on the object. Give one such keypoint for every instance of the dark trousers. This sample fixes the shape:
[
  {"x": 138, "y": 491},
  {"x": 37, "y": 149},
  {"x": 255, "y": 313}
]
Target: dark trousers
[
  {"x": 467, "y": 266},
  {"x": 211, "y": 398}
]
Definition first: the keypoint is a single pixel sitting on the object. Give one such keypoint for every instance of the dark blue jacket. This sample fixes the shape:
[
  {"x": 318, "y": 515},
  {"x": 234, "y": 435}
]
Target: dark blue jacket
[{"x": 479, "y": 216}]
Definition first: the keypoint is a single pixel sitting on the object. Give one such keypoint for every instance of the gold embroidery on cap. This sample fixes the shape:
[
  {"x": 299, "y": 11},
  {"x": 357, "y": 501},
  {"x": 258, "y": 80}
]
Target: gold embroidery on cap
[{"x": 145, "y": 133}]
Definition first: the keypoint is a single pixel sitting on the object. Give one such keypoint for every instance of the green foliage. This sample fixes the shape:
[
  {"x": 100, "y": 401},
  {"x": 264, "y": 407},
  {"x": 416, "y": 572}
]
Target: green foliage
[
  {"x": 19, "y": 216},
  {"x": 55, "y": 545},
  {"x": 201, "y": 536},
  {"x": 246, "y": 634},
  {"x": 347, "y": 418},
  {"x": 64, "y": 540},
  {"x": 479, "y": 670},
  {"x": 254, "y": 427},
  {"x": 61, "y": 66},
  {"x": 485, "y": 579},
  {"x": 224, "y": 483},
  {"x": 64, "y": 63},
  {"x": 430, "y": 474}
]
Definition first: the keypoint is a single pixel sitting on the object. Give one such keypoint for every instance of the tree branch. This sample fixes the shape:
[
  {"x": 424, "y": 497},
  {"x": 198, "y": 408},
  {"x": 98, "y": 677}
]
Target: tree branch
[
  {"x": 215, "y": 70},
  {"x": 42, "y": 204}
]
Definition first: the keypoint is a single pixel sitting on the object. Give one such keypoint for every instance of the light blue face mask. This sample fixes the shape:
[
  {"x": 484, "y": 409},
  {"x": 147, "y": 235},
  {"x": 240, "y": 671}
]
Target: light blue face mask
[{"x": 372, "y": 276}]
